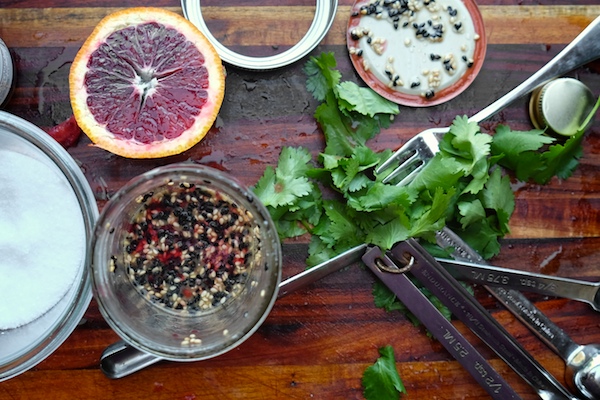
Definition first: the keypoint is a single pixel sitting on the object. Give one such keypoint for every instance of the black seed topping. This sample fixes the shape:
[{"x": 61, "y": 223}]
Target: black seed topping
[{"x": 189, "y": 248}]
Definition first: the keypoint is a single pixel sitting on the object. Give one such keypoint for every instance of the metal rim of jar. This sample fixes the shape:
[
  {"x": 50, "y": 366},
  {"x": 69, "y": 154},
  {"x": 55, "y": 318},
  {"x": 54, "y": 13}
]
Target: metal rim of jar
[
  {"x": 69, "y": 320},
  {"x": 323, "y": 19},
  {"x": 6, "y": 72}
]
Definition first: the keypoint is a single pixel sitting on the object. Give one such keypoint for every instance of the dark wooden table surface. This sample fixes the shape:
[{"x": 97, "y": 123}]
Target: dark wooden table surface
[{"x": 317, "y": 342}]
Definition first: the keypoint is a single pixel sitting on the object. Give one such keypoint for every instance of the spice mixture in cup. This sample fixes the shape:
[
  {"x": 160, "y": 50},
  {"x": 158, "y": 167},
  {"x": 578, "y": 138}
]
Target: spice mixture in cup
[{"x": 186, "y": 262}]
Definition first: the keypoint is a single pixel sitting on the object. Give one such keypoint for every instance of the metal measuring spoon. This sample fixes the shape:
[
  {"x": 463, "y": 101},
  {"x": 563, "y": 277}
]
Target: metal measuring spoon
[
  {"x": 583, "y": 362},
  {"x": 465, "y": 307},
  {"x": 394, "y": 277},
  {"x": 587, "y": 292}
]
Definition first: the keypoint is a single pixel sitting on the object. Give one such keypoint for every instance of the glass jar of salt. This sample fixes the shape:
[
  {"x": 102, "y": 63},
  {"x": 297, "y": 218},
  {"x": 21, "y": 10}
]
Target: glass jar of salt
[
  {"x": 7, "y": 75},
  {"x": 47, "y": 214}
]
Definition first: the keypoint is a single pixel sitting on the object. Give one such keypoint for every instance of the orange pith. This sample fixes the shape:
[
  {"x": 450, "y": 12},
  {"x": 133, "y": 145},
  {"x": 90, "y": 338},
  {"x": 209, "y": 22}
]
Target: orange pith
[{"x": 146, "y": 84}]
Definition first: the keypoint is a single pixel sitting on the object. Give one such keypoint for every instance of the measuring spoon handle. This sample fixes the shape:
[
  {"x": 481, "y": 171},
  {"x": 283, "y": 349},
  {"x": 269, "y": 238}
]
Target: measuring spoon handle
[
  {"x": 538, "y": 322},
  {"x": 120, "y": 359},
  {"x": 437, "y": 324},
  {"x": 573, "y": 289},
  {"x": 514, "y": 300}
]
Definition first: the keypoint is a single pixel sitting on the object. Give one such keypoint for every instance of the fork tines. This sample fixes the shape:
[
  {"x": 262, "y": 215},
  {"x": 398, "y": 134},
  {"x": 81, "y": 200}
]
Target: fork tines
[{"x": 411, "y": 157}]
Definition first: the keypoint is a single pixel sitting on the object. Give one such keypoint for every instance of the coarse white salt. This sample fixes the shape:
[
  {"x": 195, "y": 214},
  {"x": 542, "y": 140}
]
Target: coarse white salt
[{"x": 42, "y": 238}]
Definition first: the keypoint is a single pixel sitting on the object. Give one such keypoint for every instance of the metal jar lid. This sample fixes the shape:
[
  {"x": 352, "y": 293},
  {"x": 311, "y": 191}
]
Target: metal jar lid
[
  {"x": 323, "y": 19},
  {"x": 6, "y": 72},
  {"x": 561, "y": 106}
]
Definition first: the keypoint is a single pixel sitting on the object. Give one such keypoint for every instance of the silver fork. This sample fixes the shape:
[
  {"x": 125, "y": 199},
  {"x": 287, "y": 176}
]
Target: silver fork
[{"x": 414, "y": 153}]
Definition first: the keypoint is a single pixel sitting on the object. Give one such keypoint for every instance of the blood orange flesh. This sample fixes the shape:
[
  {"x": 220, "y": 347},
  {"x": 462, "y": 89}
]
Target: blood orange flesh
[{"x": 146, "y": 83}]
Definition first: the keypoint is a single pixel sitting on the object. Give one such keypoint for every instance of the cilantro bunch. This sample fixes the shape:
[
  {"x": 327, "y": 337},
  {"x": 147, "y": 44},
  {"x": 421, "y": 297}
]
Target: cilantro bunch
[{"x": 341, "y": 202}]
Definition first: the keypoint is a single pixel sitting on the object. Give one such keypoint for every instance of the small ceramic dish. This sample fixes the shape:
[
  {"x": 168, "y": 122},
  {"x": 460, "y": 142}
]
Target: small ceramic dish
[{"x": 416, "y": 53}]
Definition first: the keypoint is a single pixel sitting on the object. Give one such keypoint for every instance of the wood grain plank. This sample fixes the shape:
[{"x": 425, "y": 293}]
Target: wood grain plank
[
  {"x": 269, "y": 26},
  {"x": 424, "y": 380},
  {"x": 317, "y": 342}
]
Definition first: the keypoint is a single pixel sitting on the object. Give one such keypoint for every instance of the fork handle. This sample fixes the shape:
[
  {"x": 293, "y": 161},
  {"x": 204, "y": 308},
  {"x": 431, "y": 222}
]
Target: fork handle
[{"x": 583, "y": 49}]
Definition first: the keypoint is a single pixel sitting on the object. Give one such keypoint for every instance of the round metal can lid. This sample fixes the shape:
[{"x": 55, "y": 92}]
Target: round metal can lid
[
  {"x": 561, "y": 106},
  {"x": 323, "y": 19},
  {"x": 6, "y": 72}
]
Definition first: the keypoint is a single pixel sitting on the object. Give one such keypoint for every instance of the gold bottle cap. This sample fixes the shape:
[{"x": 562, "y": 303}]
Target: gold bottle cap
[{"x": 561, "y": 106}]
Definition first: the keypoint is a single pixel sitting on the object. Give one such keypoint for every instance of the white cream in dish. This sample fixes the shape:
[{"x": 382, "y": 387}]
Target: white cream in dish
[{"x": 415, "y": 47}]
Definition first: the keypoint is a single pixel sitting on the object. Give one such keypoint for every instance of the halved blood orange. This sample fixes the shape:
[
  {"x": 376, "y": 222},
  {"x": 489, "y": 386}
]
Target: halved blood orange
[{"x": 146, "y": 83}]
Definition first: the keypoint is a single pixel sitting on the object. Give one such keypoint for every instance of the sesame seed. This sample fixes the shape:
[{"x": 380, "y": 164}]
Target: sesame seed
[{"x": 167, "y": 239}]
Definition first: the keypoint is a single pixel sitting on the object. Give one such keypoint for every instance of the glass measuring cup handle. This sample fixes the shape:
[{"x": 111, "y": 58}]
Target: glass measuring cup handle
[{"x": 120, "y": 359}]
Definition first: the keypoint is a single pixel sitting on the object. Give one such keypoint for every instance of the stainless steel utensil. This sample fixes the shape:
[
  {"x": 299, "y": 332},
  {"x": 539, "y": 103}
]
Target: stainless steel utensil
[
  {"x": 462, "y": 305},
  {"x": 588, "y": 292},
  {"x": 583, "y": 362},
  {"x": 442, "y": 329},
  {"x": 413, "y": 154}
]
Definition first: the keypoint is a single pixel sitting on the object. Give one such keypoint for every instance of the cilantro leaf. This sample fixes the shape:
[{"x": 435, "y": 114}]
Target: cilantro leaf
[
  {"x": 561, "y": 159},
  {"x": 519, "y": 150},
  {"x": 388, "y": 234},
  {"x": 283, "y": 185},
  {"x": 322, "y": 75},
  {"x": 319, "y": 251},
  {"x": 441, "y": 171},
  {"x": 377, "y": 196},
  {"x": 499, "y": 197},
  {"x": 342, "y": 229},
  {"x": 334, "y": 126},
  {"x": 471, "y": 212},
  {"x": 363, "y": 100},
  {"x": 349, "y": 115},
  {"x": 433, "y": 218},
  {"x": 381, "y": 380},
  {"x": 386, "y": 299},
  {"x": 513, "y": 143},
  {"x": 482, "y": 237},
  {"x": 466, "y": 144},
  {"x": 523, "y": 152}
]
